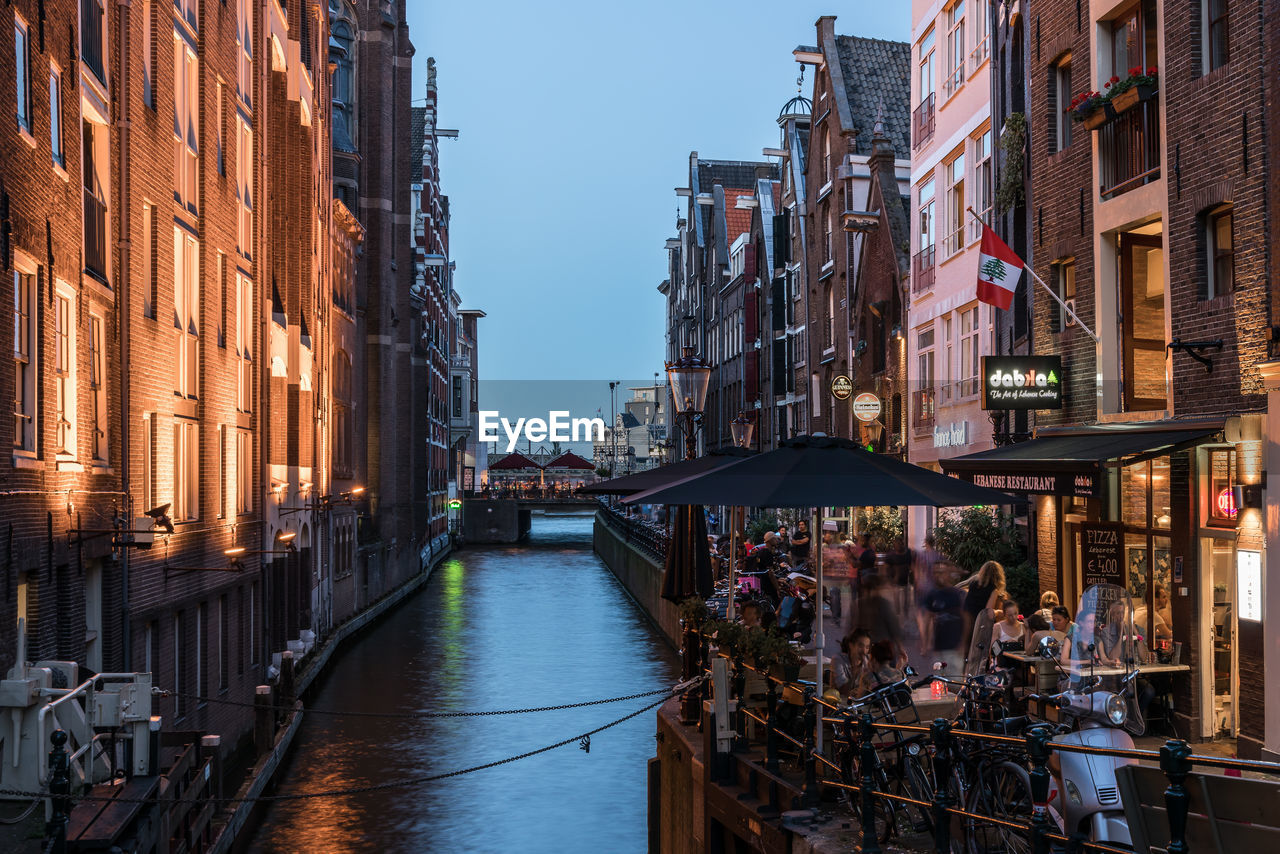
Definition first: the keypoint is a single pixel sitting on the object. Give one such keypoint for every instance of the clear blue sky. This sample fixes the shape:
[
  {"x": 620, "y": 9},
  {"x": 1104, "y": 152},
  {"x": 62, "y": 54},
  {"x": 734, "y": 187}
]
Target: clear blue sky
[{"x": 576, "y": 120}]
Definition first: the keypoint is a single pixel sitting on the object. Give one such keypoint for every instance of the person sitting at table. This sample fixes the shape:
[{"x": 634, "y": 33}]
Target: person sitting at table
[
  {"x": 851, "y": 668},
  {"x": 1037, "y": 627},
  {"x": 1009, "y": 633},
  {"x": 1048, "y": 601},
  {"x": 1056, "y": 628},
  {"x": 752, "y": 616},
  {"x": 883, "y": 665},
  {"x": 1082, "y": 635}
]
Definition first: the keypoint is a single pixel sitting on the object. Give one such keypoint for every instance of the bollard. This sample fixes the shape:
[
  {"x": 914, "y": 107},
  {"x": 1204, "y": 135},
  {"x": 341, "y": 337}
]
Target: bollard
[
  {"x": 809, "y": 794},
  {"x": 211, "y": 751},
  {"x": 739, "y": 691},
  {"x": 287, "y": 695},
  {"x": 868, "y": 759},
  {"x": 690, "y": 701},
  {"x": 771, "y": 728},
  {"x": 60, "y": 790},
  {"x": 263, "y": 720},
  {"x": 940, "y": 732},
  {"x": 1038, "y": 749},
  {"x": 1175, "y": 762}
]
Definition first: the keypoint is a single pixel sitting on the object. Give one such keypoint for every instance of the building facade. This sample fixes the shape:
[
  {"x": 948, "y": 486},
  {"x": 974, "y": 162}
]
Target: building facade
[{"x": 951, "y": 172}]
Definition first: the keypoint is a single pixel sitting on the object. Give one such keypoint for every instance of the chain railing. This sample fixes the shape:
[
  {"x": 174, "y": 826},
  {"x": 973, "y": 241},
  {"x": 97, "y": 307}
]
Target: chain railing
[{"x": 948, "y": 747}]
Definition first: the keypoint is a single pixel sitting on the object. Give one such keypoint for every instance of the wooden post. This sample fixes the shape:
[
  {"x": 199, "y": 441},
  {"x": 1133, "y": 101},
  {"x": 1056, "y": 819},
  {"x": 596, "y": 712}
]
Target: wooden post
[
  {"x": 1175, "y": 762},
  {"x": 211, "y": 751},
  {"x": 263, "y": 720},
  {"x": 868, "y": 760},
  {"x": 287, "y": 688},
  {"x": 941, "y": 733}
]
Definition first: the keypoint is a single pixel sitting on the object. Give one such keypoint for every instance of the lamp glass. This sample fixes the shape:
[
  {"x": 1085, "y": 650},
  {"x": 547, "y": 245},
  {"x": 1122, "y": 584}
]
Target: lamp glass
[
  {"x": 690, "y": 377},
  {"x": 743, "y": 429}
]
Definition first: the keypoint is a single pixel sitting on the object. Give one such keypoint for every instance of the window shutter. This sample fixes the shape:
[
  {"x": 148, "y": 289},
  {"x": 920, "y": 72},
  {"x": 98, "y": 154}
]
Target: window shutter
[{"x": 752, "y": 322}]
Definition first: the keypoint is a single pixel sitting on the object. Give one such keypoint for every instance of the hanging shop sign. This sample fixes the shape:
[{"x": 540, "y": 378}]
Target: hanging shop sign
[
  {"x": 952, "y": 435},
  {"x": 866, "y": 406},
  {"x": 469, "y": 478},
  {"x": 841, "y": 387},
  {"x": 1101, "y": 553},
  {"x": 1249, "y": 584},
  {"x": 1081, "y": 484},
  {"x": 1022, "y": 382}
]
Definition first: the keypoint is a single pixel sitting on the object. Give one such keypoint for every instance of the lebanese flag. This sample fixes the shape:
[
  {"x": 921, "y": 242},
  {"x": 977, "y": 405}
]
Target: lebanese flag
[{"x": 999, "y": 269}]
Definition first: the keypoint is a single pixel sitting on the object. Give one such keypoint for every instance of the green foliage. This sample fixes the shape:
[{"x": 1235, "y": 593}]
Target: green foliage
[
  {"x": 971, "y": 536},
  {"x": 1023, "y": 584},
  {"x": 769, "y": 649},
  {"x": 1013, "y": 145},
  {"x": 603, "y": 472},
  {"x": 693, "y": 611},
  {"x": 731, "y": 638},
  {"x": 884, "y": 524},
  {"x": 761, "y": 525}
]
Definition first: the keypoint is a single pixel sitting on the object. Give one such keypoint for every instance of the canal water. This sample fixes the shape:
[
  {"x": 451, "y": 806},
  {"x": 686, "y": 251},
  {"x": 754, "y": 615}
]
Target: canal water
[{"x": 539, "y": 624}]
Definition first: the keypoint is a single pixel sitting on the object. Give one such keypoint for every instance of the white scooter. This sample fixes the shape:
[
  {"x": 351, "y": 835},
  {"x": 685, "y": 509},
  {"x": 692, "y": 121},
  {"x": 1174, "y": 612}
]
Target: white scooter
[{"x": 1099, "y": 709}]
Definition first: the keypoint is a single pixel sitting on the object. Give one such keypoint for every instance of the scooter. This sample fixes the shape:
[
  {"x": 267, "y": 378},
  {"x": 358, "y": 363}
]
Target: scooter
[{"x": 1097, "y": 710}]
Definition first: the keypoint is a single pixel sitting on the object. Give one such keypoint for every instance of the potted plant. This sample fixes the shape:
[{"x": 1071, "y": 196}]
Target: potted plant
[
  {"x": 729, "y": 638},
  {"x": 1092, "y": 109},
  {"x": 774, "y": 654},
  {"x": 693, "y": 612},
  {"x": 1139, "y": 86}
]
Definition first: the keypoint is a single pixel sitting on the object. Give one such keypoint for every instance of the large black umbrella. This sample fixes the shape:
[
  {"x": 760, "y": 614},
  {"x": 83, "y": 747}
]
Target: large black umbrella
[
  {"x": 662, "y": 475},
  {"x": 822, "y": 471},
  {"x": 688, "y": 570}
]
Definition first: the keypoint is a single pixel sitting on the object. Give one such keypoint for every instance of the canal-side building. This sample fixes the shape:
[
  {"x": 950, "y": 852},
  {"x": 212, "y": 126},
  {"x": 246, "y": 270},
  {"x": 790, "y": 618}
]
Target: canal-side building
[
  {"x": 1149, "y": 218},
  {"x": 857, "y": 82},
  {"x": 791, "y": 394},
  {"x": 951, "y": 162},
  {"x": 773, "y": 369},
  {"x": 469, "y": 457}
]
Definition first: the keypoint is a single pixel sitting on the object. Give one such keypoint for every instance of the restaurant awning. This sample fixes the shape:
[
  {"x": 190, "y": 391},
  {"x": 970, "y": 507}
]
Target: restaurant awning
[
  {"x": 630, "y": 484},
  {"x": 1070, "y": 461}
]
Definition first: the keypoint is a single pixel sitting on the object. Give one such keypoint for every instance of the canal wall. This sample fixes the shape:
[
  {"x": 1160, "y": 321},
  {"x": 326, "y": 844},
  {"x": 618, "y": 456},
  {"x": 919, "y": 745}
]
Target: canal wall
[
  {"x": 640, "y": 574},
  {"x": 233, "y": 835}
]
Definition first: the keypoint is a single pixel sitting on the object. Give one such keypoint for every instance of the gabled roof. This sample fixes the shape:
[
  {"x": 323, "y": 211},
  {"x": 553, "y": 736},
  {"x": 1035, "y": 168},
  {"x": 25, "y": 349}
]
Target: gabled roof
[
  {"x": 417, "y": 133},
  {"x": 570, "y": 460},
  {"x": 513, "y": 461},
  {"x": 737, "y": 220},
  {"x": 877, "y": 83}
]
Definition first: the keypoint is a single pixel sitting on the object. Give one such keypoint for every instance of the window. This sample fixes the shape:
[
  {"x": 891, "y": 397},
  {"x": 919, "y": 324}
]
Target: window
[
  {"x": 983, "y": 183},
  {"x": 93, "y": 16},
  {"x": 244, "y": 187},
  {"x": 826, "y": 158},
  {"x": 221, "y": 507},
  {"x": 98, "y": 388},
  {"x": 342, "y": 428},
  {"x": 188, "y": 10},
  {"x": 148, "y": 256},
  {"x": 64, "y": 372},
  {"x": 927, "y": 235},
  {"x": 202, "y": 650},
  {"x": 1220, "y": 255},
  {"x": 255, "y": 642},
  {"x": 1222, "y": 477},
  {"x": 948, "y": 362},
  {"x": 244, "y": 41},
  {"x": 186, "y": 125},
  {"x": 955, "y": 205},
  {"x": 981, "y": 43},
  {"x": 224, "y": 642},
  {"x": 220, "y": 150},
  {"x": 955, "y": 47},
  {"x": 1133, "y": 39},
  {"x": 244, "y": 474},
  {"x": 148, "y": 59},
  {"x": 1064, "y": 285},
  {"x": 1215, "y": 22},
  {"x": 96, "y": 157},
  {"x": 244, "y": 343},
  {"x": 242, "y": 624},
  {"x": 927, "y": 54},
  {"x": 1060, "y": 90},
  {"x": 186, "y": 312},
  {"x": 22, "y": 73},
  {"x": 826, "y": 231},
  {"x": 26, "y": 357},
  {"x": 179, "y": 671},
  {"x": 186, "y": 471},
  {"x": 55, "y": 115},
  {"x": 149, "y": 460},
  {"x": 1143, "y": 313},
  {"x": 970, "y": 362},
  {"x": 925, "y": 395}
]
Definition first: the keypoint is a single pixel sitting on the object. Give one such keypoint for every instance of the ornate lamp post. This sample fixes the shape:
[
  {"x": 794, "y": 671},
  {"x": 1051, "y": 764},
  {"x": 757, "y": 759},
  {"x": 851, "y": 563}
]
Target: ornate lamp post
[
  {"x": 690, "y": 375},
  {"x": 743, "y": 428}
]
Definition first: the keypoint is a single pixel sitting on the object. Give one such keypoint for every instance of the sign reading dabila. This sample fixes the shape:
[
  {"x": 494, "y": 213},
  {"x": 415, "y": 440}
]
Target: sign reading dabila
[{"x": 1022, "y": 382}]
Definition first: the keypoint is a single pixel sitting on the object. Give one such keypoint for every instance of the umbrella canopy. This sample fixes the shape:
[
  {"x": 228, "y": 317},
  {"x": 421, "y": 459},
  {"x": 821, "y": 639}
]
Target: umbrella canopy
[
  {"x": 688, "y": 570},
  {"x": 822, "y": 471},
  {"x": 664, "y": 475}
]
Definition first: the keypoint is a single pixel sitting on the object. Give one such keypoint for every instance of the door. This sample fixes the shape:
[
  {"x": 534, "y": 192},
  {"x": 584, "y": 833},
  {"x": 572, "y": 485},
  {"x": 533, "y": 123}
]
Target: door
[
  {"x": 1221, "y": 679},
  {"x": 1142, "y": 315}
]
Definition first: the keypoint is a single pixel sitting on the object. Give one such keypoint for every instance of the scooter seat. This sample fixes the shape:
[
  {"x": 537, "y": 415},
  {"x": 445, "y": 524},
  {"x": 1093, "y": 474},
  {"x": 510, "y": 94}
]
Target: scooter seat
[{"x": 1010, "y": 726}]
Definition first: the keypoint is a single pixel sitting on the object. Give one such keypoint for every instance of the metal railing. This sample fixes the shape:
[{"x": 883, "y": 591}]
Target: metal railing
[
  {"x": 91, "y": 16},
  {"x": 947, "y": 744},
  {"x": 922, "y": 121},
  {"x": 1129, "y": 149},
  {"x": 923, "y": 269},
  {"x": 649, "y": 537},
  {"x": 923, "y": 409},
  {"x": 95, "y": 233}
]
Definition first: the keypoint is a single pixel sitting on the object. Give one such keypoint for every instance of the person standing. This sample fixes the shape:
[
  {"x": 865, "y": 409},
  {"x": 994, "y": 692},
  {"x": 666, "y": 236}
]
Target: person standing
[
  {"x": 945, "y": 605},
  {"x": 800, "y": 543},
  {"x": 866, "y": 557},
  {"x": 898, "y": 566},
  {"x": 923, "y": 582},
  {"x": 837, "y": 572},
  {"x": 877, "y": 615}
]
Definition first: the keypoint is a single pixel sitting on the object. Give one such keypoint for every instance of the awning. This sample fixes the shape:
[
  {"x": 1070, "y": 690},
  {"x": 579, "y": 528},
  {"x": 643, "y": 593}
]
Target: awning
[{"x": 1070, "y": 462}]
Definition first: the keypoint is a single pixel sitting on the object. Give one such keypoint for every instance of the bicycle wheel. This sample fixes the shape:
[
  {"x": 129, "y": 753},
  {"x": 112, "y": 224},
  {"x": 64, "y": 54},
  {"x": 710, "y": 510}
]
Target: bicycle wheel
[
  {"x": 915, "y": 785},
  {"x": 1003, "y": 791},
  {"x": 851, "y": 774}
]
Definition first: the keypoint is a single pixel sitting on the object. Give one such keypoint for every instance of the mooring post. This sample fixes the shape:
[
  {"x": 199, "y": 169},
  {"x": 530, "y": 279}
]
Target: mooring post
[
  {"x": 1038, "y": 749},
  {"x": 263, "y": 720},
  {"x": 867, "y": 754},
  {"x": 287, "y": 691},
  {"x": 940, "y": 731},
  {"x": 60, "y": 792},
  {"x": 1175, "y": 762}
]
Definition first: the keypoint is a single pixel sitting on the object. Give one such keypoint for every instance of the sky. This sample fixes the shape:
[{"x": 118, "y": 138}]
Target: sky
[{"x": 576, "y": 120}]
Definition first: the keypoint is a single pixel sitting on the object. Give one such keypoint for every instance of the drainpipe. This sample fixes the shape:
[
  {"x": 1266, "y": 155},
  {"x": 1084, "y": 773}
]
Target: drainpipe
[{"x": 122, "y": 317}]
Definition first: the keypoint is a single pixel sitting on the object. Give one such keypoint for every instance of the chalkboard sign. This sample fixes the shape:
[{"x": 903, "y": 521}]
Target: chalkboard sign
[{"x": 1102, "y": 553}]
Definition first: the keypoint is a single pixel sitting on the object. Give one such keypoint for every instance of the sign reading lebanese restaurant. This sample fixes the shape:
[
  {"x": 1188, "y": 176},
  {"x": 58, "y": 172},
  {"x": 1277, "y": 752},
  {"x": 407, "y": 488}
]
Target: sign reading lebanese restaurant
[
  {"x": 1081, "y": 484},
  {"x": 1021, "y": 382},
  {"x": 1101, "y": 558},
  {"x": 841, "y": 387}
]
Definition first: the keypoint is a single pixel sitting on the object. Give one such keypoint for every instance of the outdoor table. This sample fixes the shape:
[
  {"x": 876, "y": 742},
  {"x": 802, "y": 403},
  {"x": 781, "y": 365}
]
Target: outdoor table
[{"x": 1143, "y": 669}]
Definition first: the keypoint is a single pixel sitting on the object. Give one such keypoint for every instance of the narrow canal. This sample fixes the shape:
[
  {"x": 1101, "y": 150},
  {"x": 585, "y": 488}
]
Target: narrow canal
[{"x": 541, "y": 624}]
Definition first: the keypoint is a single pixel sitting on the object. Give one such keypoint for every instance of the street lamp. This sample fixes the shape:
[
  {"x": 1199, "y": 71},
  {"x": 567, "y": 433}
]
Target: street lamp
[
  {"x": 689, "y": 377},
  {"x": 743, "y": 428}
]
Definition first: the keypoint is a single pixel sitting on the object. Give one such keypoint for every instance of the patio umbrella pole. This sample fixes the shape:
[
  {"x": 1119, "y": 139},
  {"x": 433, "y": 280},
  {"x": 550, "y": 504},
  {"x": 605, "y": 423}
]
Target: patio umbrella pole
[{"x": 819, "y": 641}]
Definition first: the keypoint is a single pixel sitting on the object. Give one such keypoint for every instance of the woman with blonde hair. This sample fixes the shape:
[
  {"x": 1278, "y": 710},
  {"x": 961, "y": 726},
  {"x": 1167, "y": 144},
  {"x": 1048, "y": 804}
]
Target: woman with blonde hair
[
  {"x": 1048, "y": 600},
  {"x": 986, "y": 592}
]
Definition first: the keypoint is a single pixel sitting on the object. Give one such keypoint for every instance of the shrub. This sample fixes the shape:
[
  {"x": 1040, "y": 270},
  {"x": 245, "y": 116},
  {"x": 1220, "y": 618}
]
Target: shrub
[
  {"x": 971, "y": 536},
  {"x": 884, "y": 524},
  {"x": 761, "y": 525}
]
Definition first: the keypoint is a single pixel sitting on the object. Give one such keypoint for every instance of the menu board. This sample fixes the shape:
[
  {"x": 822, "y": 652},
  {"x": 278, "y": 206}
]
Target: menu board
[{"x": 1102, "y": 553}]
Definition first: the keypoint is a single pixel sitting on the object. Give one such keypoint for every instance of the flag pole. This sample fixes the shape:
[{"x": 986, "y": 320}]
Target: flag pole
[{"x": 1051, "y": 291}]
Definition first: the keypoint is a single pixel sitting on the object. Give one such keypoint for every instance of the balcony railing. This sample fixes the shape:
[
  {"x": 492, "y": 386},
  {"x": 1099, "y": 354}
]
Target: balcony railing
[
  {"x": 95, "y": 235},
  {"x": 1129, "y": 149},
  {"x": 978, "y": 55},
  {"x": 922, "y": 121},
  {"x": 923, "y": 410},
  {"x": 91, "y": 36},
  {"x": 954, "y": 242},
  {"x": 955, "y": 79},
  {"x": 922, "y": 270}
]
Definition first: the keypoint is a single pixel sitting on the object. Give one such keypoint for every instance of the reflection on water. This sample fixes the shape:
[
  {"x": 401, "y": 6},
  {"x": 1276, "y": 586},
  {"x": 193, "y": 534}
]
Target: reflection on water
[{"x": 495, "y": 628}]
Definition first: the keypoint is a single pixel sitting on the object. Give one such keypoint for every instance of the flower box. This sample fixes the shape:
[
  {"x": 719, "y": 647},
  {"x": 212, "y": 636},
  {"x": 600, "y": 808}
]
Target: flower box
[
  {"x": 1099, "y": 117},
  {"x": 1131, "y": 97}
]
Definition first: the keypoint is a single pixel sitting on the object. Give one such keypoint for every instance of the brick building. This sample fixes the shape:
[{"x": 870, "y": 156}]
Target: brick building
[
  {"x": 857, "y": 83},
  {"x": 1150, "y": 218}
]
